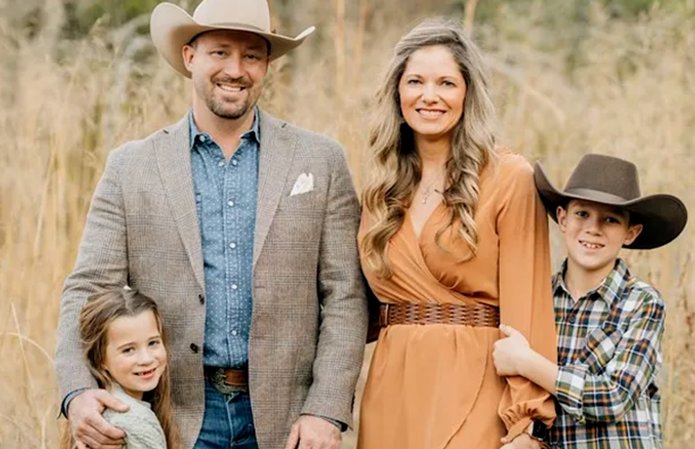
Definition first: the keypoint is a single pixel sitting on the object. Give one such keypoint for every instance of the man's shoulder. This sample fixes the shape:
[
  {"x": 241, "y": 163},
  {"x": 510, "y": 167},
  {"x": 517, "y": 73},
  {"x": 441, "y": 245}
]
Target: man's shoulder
[
  {"x": 308, "y": 139},
  {"x": 145, "y": 144}
]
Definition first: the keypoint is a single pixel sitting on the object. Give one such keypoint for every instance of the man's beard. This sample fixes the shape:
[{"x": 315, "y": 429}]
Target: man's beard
[{"x": 218, "y": 108}]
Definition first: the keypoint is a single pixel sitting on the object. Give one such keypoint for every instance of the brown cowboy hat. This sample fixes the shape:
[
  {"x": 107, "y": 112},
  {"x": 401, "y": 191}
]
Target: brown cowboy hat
[
  {"x": 614, "y": 181},
  {"x": 171, "y": 27}
]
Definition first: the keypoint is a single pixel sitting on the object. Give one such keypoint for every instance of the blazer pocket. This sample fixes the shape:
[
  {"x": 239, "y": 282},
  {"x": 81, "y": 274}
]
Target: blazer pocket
[{"x": 307, "y": 203}]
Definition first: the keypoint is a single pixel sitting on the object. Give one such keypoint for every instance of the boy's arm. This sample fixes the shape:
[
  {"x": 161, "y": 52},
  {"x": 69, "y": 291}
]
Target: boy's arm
[
  {"x": 607, "y": 396},
  {"x": 513, "y": 357}
]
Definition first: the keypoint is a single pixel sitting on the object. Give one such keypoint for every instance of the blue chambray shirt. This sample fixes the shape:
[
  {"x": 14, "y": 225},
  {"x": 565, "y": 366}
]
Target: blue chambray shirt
[{"x": 225, "y": 195}]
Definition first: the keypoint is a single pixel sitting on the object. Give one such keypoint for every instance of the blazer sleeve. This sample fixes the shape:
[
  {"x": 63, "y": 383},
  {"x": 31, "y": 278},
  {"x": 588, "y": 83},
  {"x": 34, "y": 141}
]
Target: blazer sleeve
[
  {"x": 343, "y": 327},
  {"x": 101, "y": 263},
  {"x": 525, "y": 293}
]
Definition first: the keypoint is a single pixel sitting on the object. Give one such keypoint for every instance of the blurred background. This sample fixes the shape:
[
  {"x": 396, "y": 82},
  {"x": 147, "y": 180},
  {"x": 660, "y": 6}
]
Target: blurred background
[{"x": 78, "y": 78}]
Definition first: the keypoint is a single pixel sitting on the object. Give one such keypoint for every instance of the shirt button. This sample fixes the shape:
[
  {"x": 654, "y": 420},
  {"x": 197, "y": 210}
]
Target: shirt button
[
  {"x": 220, "y": 163},
  {"x": 234, "y": 287},
  {"x": 232, "y": 245},
  {"x": 234, "y": 333},
  {"x": 230, "y": 203},
  {"x": 201, "y": 298},
  {"x": 571, "y": 317},
  {"x": 194, "y": 348},
  {"x": 235, "y": 162}
]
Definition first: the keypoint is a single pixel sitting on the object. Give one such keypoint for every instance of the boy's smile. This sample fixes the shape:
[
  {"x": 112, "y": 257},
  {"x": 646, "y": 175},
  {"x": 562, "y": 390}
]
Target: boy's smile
[{"x": 594, "y": 233}]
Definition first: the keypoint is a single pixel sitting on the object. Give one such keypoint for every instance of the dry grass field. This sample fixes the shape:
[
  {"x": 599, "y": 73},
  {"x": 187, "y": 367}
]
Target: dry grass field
[{"x": 611, "y": 84}]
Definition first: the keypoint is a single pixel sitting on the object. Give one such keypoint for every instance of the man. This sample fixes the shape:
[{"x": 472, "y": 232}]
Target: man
[{"x": 243, "y": 228}]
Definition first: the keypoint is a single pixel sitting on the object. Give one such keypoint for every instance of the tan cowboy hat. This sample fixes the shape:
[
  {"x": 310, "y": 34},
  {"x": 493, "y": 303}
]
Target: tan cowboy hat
[
  {"x": 171, "y": 27},
  {"x": 614, "y": 181}
]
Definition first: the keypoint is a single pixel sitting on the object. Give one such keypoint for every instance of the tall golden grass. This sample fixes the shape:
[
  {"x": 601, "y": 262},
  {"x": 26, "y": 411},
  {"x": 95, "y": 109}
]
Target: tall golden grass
[{"x": 618, "y": 86}]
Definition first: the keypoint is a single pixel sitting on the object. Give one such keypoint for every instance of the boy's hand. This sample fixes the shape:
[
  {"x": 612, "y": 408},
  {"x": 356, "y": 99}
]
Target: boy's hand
[{"x": 509, "y": 353}]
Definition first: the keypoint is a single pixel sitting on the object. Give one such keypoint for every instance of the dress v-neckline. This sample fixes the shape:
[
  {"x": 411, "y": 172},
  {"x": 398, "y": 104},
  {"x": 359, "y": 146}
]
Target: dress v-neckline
[{"x": 418, "y": 233}]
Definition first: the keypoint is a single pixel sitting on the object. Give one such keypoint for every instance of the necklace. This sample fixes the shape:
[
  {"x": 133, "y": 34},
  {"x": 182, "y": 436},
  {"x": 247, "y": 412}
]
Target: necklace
[{"x": 428, "y": 191}]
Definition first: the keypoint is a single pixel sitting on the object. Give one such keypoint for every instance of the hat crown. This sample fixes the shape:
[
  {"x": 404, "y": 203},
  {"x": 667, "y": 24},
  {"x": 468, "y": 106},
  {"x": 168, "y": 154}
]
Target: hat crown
[
  {"x": 607, "y": 174},
  {"x": 253, "y": 13}
]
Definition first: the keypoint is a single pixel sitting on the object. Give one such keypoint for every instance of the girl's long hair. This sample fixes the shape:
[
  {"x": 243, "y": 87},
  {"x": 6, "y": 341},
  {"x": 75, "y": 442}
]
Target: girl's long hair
[
  {"x": 97, "y": 315},
  {"x": 396, "y": 166}
]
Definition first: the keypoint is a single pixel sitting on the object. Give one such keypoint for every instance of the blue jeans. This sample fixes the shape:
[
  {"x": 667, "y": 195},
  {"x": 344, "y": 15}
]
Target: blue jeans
[{"x": 227, "y": 422}]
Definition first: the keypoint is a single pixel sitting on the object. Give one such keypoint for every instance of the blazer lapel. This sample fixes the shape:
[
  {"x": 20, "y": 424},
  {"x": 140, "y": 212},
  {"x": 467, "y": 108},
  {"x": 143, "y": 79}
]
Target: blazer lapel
[
  {"x": 277, "y": 153},
  {"x": 173, "y": 156}
]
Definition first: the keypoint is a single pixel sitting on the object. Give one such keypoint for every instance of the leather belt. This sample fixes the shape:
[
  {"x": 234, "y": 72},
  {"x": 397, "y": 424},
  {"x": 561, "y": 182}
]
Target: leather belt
[
  {"x": 224, "y": 379},
  {"x": 477, "y": 314}
]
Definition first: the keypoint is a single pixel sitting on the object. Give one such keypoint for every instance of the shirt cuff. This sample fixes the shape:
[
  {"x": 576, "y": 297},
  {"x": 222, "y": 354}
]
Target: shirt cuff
[
  {"x": 340, "y": 425},
  {"x": 66, "y": 401},
  {"x": 570, "y": 389}
]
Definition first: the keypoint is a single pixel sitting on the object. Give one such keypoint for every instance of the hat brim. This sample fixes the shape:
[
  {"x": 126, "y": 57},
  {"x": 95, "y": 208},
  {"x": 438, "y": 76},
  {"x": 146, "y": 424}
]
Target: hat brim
[
  {"x": 171, "y": 28},
  {"x": 662, "y": 216}
]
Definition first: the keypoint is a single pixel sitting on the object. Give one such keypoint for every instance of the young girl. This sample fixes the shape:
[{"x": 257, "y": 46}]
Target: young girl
[{"x": 123, "y": 343}]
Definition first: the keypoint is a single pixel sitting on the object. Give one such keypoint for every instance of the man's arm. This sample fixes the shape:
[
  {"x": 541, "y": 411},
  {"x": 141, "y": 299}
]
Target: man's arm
[
  {"x": 340, "y": 286},
  {"x": 101, "y": 263}
]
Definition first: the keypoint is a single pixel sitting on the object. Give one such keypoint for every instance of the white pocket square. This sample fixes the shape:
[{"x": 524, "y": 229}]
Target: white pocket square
[{"x": 303, "y": 184}]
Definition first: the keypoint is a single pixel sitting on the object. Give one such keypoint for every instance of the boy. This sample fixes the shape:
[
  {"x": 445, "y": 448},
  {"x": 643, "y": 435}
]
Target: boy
[{"x": 609, "y": 324}]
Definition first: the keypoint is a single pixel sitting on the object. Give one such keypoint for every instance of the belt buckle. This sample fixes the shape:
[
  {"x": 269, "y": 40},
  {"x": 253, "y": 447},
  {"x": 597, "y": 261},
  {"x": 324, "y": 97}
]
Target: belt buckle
[
  {"x": 384, "y": 315},
  {"x": 219, "y": 381}
]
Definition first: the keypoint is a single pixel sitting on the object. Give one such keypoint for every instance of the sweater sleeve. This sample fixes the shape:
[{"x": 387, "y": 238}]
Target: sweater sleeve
[
  {"x": 141, "y": 426},
  {"x": 524, "y": 291}
]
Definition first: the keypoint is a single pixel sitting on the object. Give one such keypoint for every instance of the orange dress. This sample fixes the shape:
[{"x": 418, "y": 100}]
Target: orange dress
[{"x": 434, "y": 386}]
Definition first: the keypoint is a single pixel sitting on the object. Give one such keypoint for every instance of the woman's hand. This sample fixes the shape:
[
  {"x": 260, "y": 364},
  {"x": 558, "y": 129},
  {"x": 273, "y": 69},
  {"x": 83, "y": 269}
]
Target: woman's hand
[{"x": 510, "y": 353}]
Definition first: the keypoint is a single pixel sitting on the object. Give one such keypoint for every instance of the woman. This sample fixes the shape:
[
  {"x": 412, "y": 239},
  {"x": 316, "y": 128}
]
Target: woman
[{"x": 454, "y": 240}]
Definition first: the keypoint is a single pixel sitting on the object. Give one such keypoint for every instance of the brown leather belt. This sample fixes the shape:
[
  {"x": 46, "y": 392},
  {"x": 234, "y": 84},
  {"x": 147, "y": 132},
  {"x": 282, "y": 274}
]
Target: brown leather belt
[
  {"x": 478, "y": 314},
  {"x": 231, "y": 377}
]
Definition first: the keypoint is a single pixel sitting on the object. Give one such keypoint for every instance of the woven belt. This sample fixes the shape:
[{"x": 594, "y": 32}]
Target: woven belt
[
  {"x": 228, "y": 379},
  {"x": 478, "y": 314}
]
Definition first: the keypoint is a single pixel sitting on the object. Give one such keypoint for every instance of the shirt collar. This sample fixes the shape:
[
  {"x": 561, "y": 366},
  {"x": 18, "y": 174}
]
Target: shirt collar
[
  {"x": 254, "y": 133},
  {"x": 611, "y": 288}
]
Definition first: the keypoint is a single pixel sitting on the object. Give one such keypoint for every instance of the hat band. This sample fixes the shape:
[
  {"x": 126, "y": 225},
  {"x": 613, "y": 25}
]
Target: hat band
[
  {"x": 235, "y": 25},
  {"x": 596, "y": 195}
]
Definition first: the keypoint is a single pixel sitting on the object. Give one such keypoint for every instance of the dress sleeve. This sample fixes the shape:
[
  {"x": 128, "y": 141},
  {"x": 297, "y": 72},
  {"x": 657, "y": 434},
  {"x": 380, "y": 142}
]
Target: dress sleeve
[{"x": 525, "y": 296}]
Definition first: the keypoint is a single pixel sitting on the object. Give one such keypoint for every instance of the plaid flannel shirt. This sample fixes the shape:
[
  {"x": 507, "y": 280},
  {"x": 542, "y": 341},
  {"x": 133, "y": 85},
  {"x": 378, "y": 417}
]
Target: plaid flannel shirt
[{"x": 609, "y": 352}]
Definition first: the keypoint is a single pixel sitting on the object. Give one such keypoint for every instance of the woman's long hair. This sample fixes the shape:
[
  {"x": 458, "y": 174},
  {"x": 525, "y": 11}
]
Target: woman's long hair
[
  {"x": 96, "y": 317},
  {"x": 396, "y": 166}
]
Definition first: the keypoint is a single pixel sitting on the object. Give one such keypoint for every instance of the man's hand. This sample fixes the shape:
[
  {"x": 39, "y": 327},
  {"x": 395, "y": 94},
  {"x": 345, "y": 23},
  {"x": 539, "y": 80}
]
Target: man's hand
[
  {"x": 312, "y": 432},
  {"x": 89, "y": 429},
  {"x": 509, "y": 354},
  {"x": 522, "y": 441}
]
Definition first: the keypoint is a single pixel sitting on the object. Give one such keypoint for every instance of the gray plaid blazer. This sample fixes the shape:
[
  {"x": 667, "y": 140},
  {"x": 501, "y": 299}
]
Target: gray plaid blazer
[{"x": 309, "y": 308}]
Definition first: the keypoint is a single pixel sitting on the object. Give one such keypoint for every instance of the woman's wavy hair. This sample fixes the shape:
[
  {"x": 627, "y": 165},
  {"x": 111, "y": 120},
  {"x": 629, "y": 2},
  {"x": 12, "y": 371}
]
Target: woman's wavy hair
[
  {"x": 97, "y": 315},
  {"x": 396, "y": 166}
]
